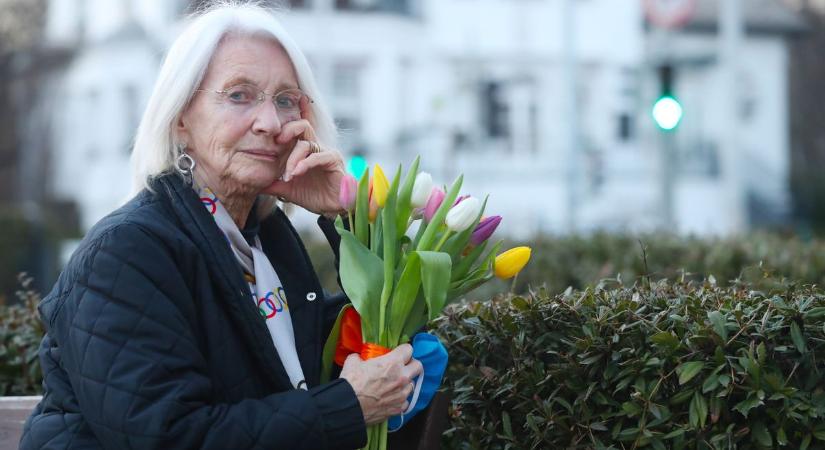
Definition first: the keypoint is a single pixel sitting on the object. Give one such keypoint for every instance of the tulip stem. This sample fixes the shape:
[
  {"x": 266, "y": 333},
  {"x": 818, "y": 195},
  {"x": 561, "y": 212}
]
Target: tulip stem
[
  {"x": 442, "y": 241},
  {"x": 513, "y": 285},
  {"x": 349, "y": 217}
]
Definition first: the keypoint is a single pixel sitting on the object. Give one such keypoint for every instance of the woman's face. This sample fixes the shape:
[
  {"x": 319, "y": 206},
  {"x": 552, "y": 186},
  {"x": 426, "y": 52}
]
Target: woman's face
[{"x": 230, "y": 136}]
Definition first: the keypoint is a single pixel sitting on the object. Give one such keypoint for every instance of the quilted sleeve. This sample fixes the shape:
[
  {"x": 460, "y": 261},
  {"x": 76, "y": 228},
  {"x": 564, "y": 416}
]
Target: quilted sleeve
[{"x": 140, "y": 378}]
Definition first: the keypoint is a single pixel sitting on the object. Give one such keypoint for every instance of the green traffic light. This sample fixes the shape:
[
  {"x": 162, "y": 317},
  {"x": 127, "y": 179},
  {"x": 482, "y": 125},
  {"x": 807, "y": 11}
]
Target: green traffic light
[
  {"x": 357, "y": 165},
  {"x": 667, "y": 112}
]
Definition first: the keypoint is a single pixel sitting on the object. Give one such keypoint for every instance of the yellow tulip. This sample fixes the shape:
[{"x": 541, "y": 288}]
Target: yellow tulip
[
  {"x": 381, "y": 186},
  {"x": 509, "y": 264}
]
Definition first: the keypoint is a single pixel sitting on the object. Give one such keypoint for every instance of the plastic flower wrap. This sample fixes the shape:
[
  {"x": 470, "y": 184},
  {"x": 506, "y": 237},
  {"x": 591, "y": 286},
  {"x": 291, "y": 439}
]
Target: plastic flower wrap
[{"x": 396, "y": 280}]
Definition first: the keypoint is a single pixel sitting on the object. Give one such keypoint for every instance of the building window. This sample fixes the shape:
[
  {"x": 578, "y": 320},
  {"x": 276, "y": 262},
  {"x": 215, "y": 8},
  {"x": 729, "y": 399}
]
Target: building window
[
  {"x": 299, "y": 4},
  {"x": 625, "y": 123},
  {"x": 394, "y": 6},
  {"x": 495, "y": 112},
  {"x": 346, "y": 81}
]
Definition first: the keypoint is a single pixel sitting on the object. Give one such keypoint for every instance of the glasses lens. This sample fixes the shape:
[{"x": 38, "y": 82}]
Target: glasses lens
[
  {"x": 242, "y": 94},
  {"x": 288, "y": 101}
]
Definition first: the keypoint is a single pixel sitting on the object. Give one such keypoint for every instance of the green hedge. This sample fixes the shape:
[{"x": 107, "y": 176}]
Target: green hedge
[
  {"x": 581, "y": 261},
  {"x": 20, "y": 335},
  {"x": 659, "y": 365}
]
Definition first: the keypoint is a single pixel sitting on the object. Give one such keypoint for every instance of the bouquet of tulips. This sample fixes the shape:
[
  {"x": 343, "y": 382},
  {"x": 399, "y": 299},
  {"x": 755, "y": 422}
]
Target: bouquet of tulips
[{"x": 397, "y": 281}]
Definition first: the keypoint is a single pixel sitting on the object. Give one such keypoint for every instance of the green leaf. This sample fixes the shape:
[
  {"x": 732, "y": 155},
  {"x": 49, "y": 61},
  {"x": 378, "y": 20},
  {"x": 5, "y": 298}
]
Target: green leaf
[
  {"x": 689, "y": 370},
  {"x": 631, "y": 409},
  {"x": 404, "y": 296},
  {"x": 675, "y": 433},
  {"x": 361, "y": 277},
  {"x": 761, "y": 434},
  {"x": 698, "y": 411},
  {"x": 404, "y": 207},
  {"x": 724, "y": 380},
  {"x": 390, "y": 252},
  {"x": 717, "y": 319},
  {"x": 798, "y": 339},
  {"x": 681, "y": 397},
  {"x": 464, "y": 264},
  {"x": 479, "y": 276},
  {"x": 665, "y": 339},
  {"x": 761, "y": 354},
  {"x": 417, "y": 317},
  {"x": 815, "y": 313},
  {"x": 781, "y": 438},
  {"x": 710, "y": 383},
  {"x": 805, "y": 442},
  {"x": 505, "y": 421},
  {"x": 746, "y": 405},
  {"x": 435, "y": 278},
  {"x": 330, "y": 346},
  {"x": 362, "y": 209}
]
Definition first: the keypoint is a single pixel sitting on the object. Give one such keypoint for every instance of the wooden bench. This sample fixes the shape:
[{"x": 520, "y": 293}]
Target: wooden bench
[
  {"x": 13, "y": 413},
  {"x": 422, "y": 433}
]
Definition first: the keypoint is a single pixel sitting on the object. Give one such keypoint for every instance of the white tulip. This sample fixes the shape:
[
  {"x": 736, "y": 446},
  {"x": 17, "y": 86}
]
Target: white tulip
[
  {"x": 421, "y": 189},
  {"x": 463, "y": 215}
]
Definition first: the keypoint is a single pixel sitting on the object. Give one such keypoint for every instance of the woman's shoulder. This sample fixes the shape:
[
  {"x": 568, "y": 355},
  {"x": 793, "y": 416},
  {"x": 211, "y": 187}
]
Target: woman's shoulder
[
  {"x": 140, "y": 229},
  {"x": 142, "y": 235}
]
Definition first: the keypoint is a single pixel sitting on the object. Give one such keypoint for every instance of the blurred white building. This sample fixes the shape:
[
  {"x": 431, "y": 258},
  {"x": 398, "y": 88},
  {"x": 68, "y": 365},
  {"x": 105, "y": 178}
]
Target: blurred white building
[{"x": 542, "y": 104}]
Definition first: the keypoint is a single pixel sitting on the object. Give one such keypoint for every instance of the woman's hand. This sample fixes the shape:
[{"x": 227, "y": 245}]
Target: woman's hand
[
  {"x": 382, "y": 384},
  {"x": 310, "y": 180}
]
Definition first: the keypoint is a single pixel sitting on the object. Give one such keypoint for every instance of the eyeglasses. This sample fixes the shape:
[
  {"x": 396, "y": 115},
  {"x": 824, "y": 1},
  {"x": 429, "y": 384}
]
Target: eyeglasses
[{"x": 243, "y": 98}]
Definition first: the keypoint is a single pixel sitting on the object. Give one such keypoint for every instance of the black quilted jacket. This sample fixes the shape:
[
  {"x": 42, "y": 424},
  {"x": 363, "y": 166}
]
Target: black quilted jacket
[{"x": 153, "y": 341}]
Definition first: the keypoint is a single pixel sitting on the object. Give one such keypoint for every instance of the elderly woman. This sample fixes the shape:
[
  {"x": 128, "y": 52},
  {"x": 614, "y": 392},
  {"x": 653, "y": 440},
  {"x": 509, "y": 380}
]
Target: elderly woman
[{"x": 191, "y": 317}]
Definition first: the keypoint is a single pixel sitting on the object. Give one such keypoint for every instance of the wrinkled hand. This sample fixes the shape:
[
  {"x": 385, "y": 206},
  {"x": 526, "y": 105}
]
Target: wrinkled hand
[
  {"x": 310, "y": 180},
  {"x": 382, "y": 384}
]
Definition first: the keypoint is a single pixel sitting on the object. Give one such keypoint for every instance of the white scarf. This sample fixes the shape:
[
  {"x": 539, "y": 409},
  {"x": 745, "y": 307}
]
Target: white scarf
[{"x": 268, "y": 292}]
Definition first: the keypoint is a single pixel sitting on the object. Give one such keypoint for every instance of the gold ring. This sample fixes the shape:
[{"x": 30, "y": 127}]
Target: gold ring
[{"x": 314, "y": 147}]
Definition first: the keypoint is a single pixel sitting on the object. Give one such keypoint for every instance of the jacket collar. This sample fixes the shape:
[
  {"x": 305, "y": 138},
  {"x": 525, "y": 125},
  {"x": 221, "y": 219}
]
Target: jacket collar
[{"x": 283, "y": 248}]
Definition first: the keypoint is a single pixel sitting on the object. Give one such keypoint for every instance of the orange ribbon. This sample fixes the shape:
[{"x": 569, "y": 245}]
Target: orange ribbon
[{"x": 351, "y": 340}]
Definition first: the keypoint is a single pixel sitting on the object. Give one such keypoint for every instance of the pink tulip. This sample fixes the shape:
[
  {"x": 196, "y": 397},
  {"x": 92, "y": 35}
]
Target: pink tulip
[
  {"x": 346, "y": 195},
  {"x": 484, "y": 229},
  {"x": 436, "y": 197}
]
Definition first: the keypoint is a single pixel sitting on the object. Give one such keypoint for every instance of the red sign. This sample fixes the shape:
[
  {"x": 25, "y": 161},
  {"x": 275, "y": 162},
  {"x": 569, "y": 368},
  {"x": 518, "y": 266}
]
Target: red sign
[{"x": 669, "y": 13}]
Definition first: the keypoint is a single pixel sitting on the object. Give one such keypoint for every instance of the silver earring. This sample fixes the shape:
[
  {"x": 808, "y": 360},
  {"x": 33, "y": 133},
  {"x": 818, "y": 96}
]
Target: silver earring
[{"x": 185, "y": 164}]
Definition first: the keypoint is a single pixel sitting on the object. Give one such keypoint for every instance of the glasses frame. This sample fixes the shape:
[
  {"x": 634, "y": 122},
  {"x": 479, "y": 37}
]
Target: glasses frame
[{"x": 262, "y": 95}]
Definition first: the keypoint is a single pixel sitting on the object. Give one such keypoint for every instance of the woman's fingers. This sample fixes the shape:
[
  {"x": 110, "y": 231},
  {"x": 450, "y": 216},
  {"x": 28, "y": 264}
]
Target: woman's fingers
[
  {"x": 300, "y": 152},
  {"x": 383, "y": 384},
  {"x": 296, "y": 129},
  {"x": 403, "y": 352},
  {"x": 311, "y": 161}
]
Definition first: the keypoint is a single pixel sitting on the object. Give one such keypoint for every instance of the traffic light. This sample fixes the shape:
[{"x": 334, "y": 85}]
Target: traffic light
[
  {"x": 356, "y": 165},
  {"x": 667, "y": 111}
]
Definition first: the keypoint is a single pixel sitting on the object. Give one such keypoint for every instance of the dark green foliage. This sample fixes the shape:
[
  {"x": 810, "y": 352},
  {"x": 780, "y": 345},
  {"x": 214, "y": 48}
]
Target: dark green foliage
[
  {"x": 581, "y": 261},
  {"x": 20, "y": 335},
  {"x": 659, "y": 365}
]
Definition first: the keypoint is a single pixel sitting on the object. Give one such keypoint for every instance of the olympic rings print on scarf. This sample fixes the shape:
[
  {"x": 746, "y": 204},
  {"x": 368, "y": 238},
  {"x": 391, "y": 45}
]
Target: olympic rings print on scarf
[{"x": 268, "y": 292}]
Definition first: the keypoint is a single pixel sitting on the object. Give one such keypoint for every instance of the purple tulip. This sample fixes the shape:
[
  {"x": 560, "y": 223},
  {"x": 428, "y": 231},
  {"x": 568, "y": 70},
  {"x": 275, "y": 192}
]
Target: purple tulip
[
  {"x": 460, "y": 198},
  {"x": 436, "y": 197},
  {"x": 484, "y": 229},
  {"x": 346, "y": 195}
]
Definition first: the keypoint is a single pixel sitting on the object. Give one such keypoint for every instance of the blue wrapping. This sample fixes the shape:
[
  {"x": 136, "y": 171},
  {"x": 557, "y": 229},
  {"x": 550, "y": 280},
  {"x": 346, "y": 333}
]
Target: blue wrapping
[{"x": 433, "y": 356}]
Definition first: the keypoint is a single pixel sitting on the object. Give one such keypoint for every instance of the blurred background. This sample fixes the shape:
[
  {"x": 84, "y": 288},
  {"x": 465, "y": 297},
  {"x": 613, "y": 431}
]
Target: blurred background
[{"x": 700, "y": 118}]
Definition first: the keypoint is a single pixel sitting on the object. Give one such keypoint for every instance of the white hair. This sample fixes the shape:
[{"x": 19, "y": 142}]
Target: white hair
[{"x": 183, "y": 69}]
